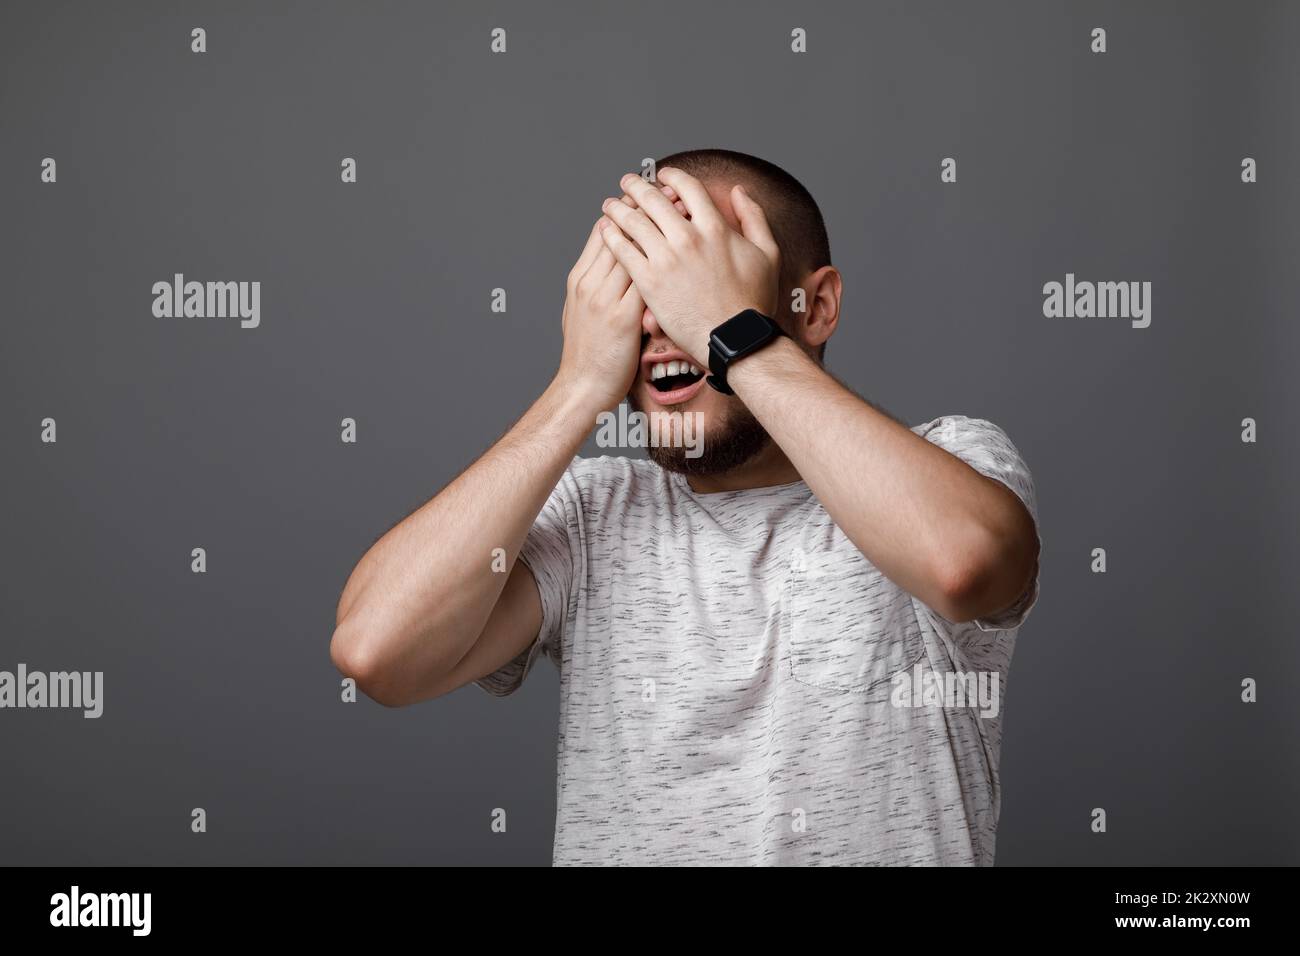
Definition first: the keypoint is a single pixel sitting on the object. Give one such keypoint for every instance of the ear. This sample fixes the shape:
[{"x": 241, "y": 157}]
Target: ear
[{"x": 821, "y": 314}]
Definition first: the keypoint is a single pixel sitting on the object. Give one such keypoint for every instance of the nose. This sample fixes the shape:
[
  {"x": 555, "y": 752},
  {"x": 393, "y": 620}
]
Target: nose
[{"x": 649, "y": 324}]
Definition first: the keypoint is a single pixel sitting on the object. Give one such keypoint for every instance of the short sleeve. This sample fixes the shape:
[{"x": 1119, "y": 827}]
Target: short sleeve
[
  {"x": 986, "y": 448},
  {"x": 549, "y": 550}
]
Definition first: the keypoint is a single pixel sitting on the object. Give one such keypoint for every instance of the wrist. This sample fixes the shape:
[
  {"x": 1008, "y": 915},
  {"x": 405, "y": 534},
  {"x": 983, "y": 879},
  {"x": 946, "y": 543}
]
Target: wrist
[
  {"x": 735, "y": 340},
  {"x": 698, "y": 347},
  {"x": 578, "y": 398},
  {"x": 779, "y": 358},
  {"x": 720, "y": 315}
]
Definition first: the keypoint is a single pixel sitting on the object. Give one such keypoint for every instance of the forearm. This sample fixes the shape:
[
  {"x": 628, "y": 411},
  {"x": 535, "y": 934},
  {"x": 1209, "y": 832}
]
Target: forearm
[
  {"x": 420, "y": 597},
  {"x": 931, "y": 523}
]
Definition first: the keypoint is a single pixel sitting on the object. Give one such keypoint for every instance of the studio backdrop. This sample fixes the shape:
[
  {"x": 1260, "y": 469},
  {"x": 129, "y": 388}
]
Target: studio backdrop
[{"x": 397, "y": 191}]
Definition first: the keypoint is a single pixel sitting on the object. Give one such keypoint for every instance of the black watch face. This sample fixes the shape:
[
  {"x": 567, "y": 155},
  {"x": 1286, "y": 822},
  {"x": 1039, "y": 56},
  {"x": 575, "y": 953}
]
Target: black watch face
[{"x": 746, "y": 330}]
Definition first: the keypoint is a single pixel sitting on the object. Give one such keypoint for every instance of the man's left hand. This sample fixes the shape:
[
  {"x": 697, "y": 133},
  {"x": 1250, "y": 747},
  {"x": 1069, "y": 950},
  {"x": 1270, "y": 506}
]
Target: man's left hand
[{"x": 694, "y": 273}]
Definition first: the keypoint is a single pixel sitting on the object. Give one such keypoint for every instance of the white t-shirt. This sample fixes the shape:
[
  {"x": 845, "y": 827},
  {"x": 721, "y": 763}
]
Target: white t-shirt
[{"x": 739, "y": 685}]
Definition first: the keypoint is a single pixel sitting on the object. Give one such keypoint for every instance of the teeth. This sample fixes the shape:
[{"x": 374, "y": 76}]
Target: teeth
[{"x": 664, "y": 369}]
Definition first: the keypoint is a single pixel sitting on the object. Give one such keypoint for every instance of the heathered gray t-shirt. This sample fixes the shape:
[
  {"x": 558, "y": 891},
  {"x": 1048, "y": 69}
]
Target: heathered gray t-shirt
[{"x": 739, "y": 685}]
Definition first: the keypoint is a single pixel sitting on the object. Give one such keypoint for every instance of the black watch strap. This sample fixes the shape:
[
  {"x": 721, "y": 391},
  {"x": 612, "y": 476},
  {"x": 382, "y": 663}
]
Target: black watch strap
[{"x": 743, "y": 333}]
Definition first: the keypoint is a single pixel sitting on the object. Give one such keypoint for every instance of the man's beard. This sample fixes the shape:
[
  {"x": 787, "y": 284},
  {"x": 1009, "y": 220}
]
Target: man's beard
[{"x": 728, "y": 444}]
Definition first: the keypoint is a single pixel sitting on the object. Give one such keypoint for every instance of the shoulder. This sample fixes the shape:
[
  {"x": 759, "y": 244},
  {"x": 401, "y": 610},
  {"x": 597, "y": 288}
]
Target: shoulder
[
  {"x": 961, "y": 433},
  {"x": 984, "y": 446},
  {"x": 601, "y": 480},
  {"x": 947, "y": 428},
  {"x": 611, "y": 468}
]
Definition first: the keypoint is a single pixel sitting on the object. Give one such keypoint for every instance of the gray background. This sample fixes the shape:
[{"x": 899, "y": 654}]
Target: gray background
[{"x": 479, "y": 171}]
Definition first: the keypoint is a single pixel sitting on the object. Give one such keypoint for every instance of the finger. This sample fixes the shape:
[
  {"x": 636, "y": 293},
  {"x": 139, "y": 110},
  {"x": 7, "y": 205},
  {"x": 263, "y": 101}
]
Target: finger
[
  {"x": 589, "y": 252},
  {"x": 601, "y": 265},
  {"x": 670, "y": 194},
  {"x": 615, "y": 285},
  {"x": 676, "y": 200},
  {"x": 633, "y": 303},
  {"x": 632, "y": 297},
  {"x": 626, "y": 200},
  {"x": 699, "y": 204},
  {"x": 635, "y": 224},
  {"x": 753, "y": 221},
  {"x": 655, "y": 205},
  {"x": 628, "y": 256}
]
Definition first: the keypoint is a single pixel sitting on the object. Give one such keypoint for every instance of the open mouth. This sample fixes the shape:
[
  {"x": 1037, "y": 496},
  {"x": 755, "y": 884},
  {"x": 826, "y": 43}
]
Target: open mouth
[
  {"x": 671, "y": 376},
  {"x": 674, "y": 382}
]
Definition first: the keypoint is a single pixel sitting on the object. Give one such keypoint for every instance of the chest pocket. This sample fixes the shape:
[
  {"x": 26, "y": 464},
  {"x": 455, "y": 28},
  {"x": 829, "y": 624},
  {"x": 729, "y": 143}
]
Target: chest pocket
[{"x": 850, "y": 628}]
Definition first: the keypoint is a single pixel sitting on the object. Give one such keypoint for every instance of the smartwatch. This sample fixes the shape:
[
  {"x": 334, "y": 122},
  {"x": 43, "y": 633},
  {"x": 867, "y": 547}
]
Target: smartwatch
[{"x": 740, "y": 335}]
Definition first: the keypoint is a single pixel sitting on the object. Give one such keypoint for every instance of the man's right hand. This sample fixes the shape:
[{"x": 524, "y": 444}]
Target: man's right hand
[
  {"x": 602, "y": 327},
  {"x": 424, "y": 612}
]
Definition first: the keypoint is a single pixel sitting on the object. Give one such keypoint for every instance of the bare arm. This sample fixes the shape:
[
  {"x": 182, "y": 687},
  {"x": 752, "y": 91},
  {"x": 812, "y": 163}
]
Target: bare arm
[
  {"x": 962, "y": 543},
  {"x": 422, "y": 612}
]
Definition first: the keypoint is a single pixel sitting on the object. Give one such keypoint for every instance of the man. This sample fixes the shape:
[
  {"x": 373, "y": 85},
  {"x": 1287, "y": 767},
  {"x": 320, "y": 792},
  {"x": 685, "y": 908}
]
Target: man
[{"x": 740, "y": 635}]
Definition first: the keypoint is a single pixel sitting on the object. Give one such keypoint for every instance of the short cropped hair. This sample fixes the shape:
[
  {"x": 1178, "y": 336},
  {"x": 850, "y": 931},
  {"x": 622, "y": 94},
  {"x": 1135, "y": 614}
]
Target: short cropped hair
[{"x": 791, "y": 211}]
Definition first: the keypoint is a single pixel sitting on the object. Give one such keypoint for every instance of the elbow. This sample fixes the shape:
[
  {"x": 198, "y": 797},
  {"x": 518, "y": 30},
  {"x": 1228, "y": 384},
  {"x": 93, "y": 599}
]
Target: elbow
[
  {"x": 958, "y": 585},
  {"x": 356, "y": 655},
  {"x": 986, "y": 576}
]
